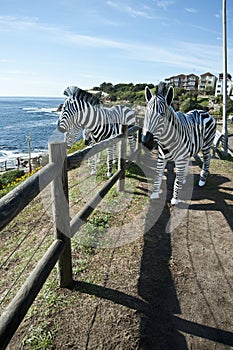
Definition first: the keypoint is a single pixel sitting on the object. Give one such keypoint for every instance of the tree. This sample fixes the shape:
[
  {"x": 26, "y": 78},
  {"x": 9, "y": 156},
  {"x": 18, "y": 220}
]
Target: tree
[
  {"x": 209, "y": 90},
  {"x": 113, "y": 98},
  {"x": 189, "y": 104},
  {"x": 106, "y": 87},
  {"x": 229, "y": 106}
]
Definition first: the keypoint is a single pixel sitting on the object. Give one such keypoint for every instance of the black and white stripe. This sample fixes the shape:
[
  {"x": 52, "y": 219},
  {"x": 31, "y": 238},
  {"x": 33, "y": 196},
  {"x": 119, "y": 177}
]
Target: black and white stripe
[
  {"x": 82, "y": 110},
  {"x": 179, "y": 137}
]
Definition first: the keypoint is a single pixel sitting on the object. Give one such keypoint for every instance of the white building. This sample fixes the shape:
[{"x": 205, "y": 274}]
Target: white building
[
  {"x": 207, "y": 80},
  {"x": 219, "y": 85}
]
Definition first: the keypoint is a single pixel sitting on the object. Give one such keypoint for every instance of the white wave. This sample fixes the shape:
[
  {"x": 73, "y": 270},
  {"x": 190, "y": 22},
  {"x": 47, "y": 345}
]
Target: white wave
[
  {"x": 39, "y": 123},
  {"x": 13, "y": 155},
  {"x": 41, "y": 110}
]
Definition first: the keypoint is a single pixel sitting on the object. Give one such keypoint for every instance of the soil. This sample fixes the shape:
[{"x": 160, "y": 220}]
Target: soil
[{"x": 170, "y": 289}]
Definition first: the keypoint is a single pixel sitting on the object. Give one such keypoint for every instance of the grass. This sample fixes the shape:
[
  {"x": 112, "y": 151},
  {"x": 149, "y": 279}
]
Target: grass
[
  {"x": 76, "y": 147},
  {"x": 23, "y": 236},
  {"x": 222, "y": 165}
]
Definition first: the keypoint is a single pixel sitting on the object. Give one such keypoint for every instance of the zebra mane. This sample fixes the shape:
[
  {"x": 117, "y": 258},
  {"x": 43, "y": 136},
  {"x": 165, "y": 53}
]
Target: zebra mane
[
  {"x": 161, "y": 88},
  {"x": 75, "y": 92}
]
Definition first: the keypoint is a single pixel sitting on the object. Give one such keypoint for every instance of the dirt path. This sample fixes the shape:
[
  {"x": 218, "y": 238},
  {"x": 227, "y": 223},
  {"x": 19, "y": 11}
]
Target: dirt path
[{"x": 171, "y": 289}]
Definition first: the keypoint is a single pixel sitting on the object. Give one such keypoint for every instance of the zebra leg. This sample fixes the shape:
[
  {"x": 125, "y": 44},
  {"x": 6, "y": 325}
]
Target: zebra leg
[
  {"x": 161, "y": 163},
  {"x": 208, "y": 141},
  {"x": 109, "y": 161},
  {"x": 205, "y": 167},
  {"x": 181, "y": 172},
  {"x": 186, "y": 172},
  {"x": 114, "y": 154},
  {"x": 93, "y": 166},
  {"x": 132, "y": 143}
]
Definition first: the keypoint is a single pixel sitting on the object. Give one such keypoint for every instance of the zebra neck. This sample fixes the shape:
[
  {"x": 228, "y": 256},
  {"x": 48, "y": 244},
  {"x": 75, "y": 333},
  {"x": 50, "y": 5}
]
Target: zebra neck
[
  {"x": 97, "y": 120},
  {"x": 90, "y": 117},
  {"x": 172, "y": 127}
]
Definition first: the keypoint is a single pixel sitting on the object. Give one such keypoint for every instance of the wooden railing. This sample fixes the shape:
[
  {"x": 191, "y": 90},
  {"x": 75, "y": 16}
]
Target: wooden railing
[{"x": 60, "y": 250}]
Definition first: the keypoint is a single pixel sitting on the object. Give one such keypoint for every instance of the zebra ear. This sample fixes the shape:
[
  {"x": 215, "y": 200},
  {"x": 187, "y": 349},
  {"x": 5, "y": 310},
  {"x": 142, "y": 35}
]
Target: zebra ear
[
  {"x": 169, "y": 96},
  {"x": 71, "y": 91},
  {"x": 148, "y": 94}
]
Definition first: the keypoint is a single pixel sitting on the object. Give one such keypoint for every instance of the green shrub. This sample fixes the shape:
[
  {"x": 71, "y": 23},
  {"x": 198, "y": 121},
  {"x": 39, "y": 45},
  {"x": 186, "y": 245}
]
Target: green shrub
[
  {"x": 76, "y": 147},
  {"x": 188, "y": 105},
  {"x": 10, "y": 176}
]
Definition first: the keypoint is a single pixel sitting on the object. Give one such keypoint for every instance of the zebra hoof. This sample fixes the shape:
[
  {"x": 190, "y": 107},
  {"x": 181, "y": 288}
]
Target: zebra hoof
[
  {"x": 154, "y": 195},
  {"x": 93, "y": 172},
  {"x": 109, "y": 174},
  {"x": 174, "y": 201},
  {"x": 201, "y": 183}
]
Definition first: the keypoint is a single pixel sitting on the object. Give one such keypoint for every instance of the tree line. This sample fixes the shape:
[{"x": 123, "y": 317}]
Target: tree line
[{"x": 184, "y": 101}]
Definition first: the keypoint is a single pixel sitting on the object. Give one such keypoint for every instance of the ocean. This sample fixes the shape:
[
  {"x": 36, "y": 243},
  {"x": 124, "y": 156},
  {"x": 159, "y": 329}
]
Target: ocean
[{"x": 26, "y": 122}]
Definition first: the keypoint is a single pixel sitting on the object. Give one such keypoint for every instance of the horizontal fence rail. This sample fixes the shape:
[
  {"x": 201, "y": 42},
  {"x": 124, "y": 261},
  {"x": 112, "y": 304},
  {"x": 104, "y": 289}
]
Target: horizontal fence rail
[
  {"x": 64, "y": 228},
  {"x": 16, "y": 200},
  {"x": 75, "y": 159},
  {"x": 17, "y": 309}
]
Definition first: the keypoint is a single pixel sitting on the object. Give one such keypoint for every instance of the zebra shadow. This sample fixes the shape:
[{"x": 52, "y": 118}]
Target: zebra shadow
[
  {"x": 155, "y": 284},
  {"x": 161, "y": 326}
]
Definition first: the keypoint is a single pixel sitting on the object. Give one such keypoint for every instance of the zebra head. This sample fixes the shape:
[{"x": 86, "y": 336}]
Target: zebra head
[
  {"x": 67, "y": 120},
  {"x": 76, "y": 109},
  {"x": 155, "y": 116}
]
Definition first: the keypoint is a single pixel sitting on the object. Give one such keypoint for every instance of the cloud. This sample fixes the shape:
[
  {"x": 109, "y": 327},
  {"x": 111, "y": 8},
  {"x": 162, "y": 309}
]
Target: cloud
[
  {"x": 205, "y": 29},
  {"x": 112, "y": 4},
  {"x": 11, "y": 23},
  {"x": 5, "y": 60},
  {"x": 191, "y": 10},
  {"x": 180, "y": 54},
  {"x": 143, "y": 11},
  {"x": 184, "y": 55},
  {"x": 164, "y": 4},
  {"x": 89, "y": 41},
  {"x": 137, "y": 13}
]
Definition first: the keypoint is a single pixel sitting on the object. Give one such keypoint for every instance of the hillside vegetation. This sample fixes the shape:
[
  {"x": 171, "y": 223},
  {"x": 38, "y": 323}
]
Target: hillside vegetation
[{"x": 133, "y": 94}]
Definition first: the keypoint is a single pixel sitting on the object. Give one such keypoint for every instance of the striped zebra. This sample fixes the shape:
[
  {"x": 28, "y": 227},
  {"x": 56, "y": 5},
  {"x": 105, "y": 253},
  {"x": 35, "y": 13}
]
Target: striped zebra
[
  {"x": 179, "y": 136},
  {"x": 82, "y": 110},
  {"x": 88, "y": 141}
]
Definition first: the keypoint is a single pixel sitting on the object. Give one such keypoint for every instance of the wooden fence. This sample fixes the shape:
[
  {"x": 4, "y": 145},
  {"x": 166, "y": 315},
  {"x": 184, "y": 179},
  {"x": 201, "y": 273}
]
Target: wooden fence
[{"x": 60, "y": 250}]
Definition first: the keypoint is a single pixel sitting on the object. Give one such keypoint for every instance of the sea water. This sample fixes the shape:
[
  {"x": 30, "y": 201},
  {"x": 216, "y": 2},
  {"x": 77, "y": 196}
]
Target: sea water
[{"x": 26, "y": 124}]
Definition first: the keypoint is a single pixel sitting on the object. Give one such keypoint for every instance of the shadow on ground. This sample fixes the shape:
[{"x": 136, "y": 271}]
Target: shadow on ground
[{"x": 161, "y": 322}]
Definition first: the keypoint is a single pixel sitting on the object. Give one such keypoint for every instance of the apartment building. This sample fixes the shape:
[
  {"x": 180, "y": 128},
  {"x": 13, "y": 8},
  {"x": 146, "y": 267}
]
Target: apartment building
[
  {"x": 219, "y": 85},
  {"x": 188, "y": 82},
  {"x": 207, "y": 80}
]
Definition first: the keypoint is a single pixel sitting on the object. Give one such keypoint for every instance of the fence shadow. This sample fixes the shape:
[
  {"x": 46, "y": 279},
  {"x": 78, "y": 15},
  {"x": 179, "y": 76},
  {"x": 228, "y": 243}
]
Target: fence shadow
[{"x": 215, "y": 191}]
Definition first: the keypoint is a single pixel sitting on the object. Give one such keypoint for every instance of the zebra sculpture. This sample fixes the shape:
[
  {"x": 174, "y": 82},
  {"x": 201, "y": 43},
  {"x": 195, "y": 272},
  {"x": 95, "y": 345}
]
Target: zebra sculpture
[
  {"x": 88, "y": 140},
  {"x": 179, "y": 136},
  {"x": 82, "y": 110}
]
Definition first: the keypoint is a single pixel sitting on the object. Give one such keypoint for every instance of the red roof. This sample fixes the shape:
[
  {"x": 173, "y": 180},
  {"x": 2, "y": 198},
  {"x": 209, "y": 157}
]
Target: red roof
[{"x": 207, "y": 74}]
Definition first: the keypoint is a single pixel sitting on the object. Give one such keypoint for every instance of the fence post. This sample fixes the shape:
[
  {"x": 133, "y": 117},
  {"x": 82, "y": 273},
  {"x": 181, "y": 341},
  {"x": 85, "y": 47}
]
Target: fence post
[
  {"x": 139, "y": 144},
  {"x": 61, "y": 216},
  {"x": 122, "y": 157}
]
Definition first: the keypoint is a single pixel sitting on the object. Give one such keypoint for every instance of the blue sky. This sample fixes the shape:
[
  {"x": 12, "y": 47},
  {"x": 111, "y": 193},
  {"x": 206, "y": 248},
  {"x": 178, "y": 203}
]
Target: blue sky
[{"x": 48, "y": 45}]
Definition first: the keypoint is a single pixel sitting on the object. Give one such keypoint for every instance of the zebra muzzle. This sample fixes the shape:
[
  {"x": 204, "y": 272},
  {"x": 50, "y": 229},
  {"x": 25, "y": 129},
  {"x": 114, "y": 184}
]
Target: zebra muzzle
[
  {"x": 148, "y": 140},
  {"x": 60, "y": 128}
]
